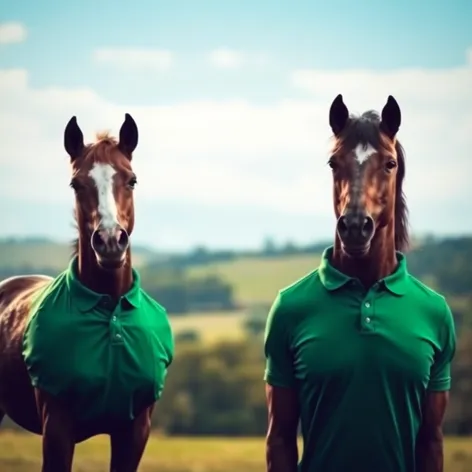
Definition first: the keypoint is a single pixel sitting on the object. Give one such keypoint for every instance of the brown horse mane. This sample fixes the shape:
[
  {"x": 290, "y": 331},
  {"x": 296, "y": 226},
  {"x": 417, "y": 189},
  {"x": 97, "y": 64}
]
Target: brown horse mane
[
  {"x": 365, "y": 129},
  {"x": 101, "y": 150}
]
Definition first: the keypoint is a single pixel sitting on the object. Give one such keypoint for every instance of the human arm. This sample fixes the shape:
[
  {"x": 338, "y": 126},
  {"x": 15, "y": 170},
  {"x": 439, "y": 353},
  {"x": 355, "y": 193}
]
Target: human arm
[
  {"x": 429, "y": 442},
  {"x": 281, "y": 441},
  {"x": 281, "y": 394}
]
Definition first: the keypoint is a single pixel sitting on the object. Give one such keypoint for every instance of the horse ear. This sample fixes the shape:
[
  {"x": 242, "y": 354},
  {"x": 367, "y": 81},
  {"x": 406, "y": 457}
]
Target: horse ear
[
  {"x": 73, "y": 139},
  {"x": 338, "y": 115},
  {"x": 391, "y": 118},
  {"x": 128, "y": 136}
]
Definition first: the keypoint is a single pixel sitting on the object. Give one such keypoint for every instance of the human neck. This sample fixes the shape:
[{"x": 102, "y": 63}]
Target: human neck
[
  {"x": 380, "y": 262},
  {"x": 115, "y": 282}
]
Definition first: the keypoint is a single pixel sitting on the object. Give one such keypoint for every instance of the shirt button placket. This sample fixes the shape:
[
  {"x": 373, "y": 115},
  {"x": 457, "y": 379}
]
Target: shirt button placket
[
  {"x": 115, "y": 330},
  {"x": 366, "y": 313}
]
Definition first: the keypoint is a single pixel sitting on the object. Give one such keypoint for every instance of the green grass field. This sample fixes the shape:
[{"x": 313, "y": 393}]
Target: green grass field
[
  {"x": 257, "y": 280},
  {"x": 21, "y": 453},
  {"x": 49, "y": 254},
  {"x": 211, "y": 327},
  {"x": 35, "y": 254}
]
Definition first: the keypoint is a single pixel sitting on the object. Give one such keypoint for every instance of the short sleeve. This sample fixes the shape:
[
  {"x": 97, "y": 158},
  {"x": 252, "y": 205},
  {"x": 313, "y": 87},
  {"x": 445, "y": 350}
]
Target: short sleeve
[
  {"x": 440, "y": 376},
  {"x": 279, "y": 364},
  {"x": 164, "y": 345},
  {"x": 169, "y": 344}
]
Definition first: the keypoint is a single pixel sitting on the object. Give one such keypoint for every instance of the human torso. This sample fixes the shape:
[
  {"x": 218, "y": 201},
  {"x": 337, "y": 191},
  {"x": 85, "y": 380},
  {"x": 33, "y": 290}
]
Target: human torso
[{"x": 362, "y": 362}]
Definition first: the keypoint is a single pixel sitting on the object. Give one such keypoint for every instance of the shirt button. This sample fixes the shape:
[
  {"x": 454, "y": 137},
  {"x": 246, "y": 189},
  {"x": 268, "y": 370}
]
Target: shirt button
[
  {"x": 113, "y": 318},
  {"x": 118, "y": 336},
  {"x": 367, "y": 320},
  {"x": 367, "y": 304}
]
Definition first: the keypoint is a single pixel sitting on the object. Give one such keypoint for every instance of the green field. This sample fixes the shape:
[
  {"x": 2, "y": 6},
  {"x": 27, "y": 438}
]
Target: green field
[
  {"x": 21, "y": 453},
  {"x": 35, "y": 254},
  {"x": 254, "y": 280},
  {"x": 48, "y": 254},
  {"x": 257, "y": 280},
  {"x": 211, "y": 327}
]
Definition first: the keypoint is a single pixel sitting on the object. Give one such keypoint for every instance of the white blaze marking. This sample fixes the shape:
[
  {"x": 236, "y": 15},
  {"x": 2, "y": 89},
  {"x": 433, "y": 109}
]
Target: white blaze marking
[
  {"x": 102, "y": 175},
  {"x": 363, "y": 153}
]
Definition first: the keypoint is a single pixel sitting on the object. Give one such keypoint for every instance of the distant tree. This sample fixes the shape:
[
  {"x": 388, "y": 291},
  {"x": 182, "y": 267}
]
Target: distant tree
[
  {"x": 459, "y": 413},
  {"x": 290, "y": 248},
  {"x": 269, "y": 247},
  {"x": 187, "y": 335},
  {"x": 254, "y": 326},
  {"x": 254, "y": 323}
]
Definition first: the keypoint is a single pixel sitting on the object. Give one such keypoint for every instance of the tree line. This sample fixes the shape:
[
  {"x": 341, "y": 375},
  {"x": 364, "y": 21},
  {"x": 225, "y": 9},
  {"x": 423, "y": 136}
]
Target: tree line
[
  {"x": 219, "y": 390},
  {"x": 441, "y": 263}
]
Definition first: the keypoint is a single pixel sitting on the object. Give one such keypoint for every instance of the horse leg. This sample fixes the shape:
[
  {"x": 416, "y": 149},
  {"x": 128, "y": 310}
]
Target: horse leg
[
  {"x": 58, "y": 433},
  {"x": 129, "y": 441}
]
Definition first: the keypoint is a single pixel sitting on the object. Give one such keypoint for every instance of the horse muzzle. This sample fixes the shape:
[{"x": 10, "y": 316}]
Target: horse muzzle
[{"x": 110, "y": 246}]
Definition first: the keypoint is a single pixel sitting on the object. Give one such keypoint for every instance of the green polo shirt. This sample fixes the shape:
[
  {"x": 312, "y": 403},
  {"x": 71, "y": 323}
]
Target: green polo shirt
[
  {"x": 361, "y": 362},
  {"x": 105, "y": 361}
]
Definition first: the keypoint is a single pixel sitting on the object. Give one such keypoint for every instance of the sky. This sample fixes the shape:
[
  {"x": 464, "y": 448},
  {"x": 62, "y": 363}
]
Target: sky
[{"x": 231, "y": 99}]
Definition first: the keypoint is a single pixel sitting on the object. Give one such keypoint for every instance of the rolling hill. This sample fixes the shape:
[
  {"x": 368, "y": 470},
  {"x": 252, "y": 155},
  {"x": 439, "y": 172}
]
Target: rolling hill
[{"x": 46, "y": 254}]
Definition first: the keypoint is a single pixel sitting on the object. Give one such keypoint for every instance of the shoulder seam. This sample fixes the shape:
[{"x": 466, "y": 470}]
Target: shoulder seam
[
  {"x": 284, "y": 290},
  {"x": 427, "y": 287},
  {"x": 153, "y": 300}
]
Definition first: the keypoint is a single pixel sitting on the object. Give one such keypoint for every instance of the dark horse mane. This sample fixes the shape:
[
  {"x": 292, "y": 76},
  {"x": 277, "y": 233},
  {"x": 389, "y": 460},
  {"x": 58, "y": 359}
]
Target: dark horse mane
[{"x": 365, "y": 129}]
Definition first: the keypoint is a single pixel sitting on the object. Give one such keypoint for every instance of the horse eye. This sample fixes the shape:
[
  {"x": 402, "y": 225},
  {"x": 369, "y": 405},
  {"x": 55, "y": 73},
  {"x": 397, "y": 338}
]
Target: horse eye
[
  {"x": 132, "y": 182},
  {"x": 391, "y": 164},
  {"x": 74, "y": 185},
  {"x": 332, "y": 164}
]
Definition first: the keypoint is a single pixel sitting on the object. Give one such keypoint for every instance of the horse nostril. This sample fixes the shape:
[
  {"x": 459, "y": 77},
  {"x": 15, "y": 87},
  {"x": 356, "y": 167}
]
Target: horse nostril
[
  {"x": 110, "y": 243},
  {"x": 342, "y": 225},
  {"x": 355, "y": 227},
  {"x": 123, "y": 239},
  {"x": 98, "y": 242},
  {"x": 368, "y": 226}
]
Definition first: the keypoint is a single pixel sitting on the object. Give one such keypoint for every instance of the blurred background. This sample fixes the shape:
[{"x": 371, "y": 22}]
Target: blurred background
[{"x": 234, "y": 195}]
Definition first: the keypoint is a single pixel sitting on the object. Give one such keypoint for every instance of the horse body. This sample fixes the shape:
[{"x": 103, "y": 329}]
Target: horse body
[
  {"x": 102, "y": 180},
  {"x": 16, "y": 392}
]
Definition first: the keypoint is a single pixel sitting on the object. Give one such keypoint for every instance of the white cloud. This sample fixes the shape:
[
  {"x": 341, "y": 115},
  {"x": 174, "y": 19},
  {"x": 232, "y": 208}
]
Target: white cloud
[
  {"x": 415, "y": 87},
  {"x": 158, "y": 59},
  {"x": 12, "y": 32},
  {"x": 235, "y": 152},
  {"x": 224, "y": 58}
]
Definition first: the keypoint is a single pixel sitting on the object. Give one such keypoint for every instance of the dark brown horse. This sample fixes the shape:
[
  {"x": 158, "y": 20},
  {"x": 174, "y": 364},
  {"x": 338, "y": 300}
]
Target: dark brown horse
[
  {"x": 368, "y": 167},
  {"x": 103, "y": 182}
]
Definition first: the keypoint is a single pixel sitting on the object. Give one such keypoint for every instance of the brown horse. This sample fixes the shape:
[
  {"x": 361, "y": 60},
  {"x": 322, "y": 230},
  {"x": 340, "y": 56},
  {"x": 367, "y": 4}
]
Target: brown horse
[
  {"x": 103, "y": 182},
  {"x": 368, "y": 167},
  {"x": 308, "y": 376}
]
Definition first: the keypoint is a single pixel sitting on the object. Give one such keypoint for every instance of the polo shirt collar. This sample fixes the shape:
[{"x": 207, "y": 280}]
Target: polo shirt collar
[
  {"x": 330, "y": 277},
  {"x": 397, "y": 281},
  {"x": 87, "y": 299},
  {"x": 333, "y": 279}
]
